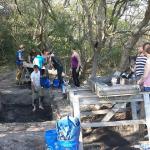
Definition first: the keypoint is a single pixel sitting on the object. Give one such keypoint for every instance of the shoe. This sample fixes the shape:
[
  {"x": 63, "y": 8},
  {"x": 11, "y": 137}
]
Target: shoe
[
  {"x": 41, "y": 107},
  {"x": 34, "y": 109}
]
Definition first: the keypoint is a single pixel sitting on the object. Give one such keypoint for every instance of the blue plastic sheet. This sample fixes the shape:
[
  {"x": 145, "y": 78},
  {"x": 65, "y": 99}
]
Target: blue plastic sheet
[{"x": 68, "y": 128}]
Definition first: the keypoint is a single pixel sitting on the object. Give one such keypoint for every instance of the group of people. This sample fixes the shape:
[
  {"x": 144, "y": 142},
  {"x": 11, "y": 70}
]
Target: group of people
[
  {"x": 42, "y": 62},
  {"x": 142, "y": 66}
]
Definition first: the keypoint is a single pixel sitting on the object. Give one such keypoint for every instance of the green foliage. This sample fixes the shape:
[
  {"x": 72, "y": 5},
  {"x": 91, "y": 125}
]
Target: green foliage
[
  {"x": 61, "y": 29},
  {"x": 7, "y": 43}
]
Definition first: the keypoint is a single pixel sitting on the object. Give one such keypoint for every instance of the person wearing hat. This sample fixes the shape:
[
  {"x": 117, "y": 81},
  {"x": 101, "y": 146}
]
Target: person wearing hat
[
  {"x": 19, "y": 62},
  {"x": 37, "y": 90}
]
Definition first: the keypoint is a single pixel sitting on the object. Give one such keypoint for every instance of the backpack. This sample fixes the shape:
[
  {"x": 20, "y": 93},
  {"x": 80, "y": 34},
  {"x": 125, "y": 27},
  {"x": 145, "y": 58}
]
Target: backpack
[
  {"x": 18, "y": 61},
  {"x": 45, "y": 82}
]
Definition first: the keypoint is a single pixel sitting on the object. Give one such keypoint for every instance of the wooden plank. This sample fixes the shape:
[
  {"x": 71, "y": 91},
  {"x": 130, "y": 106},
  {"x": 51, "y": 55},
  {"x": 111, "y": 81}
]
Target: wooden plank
[
  {"x": 116, "y": 93},
  {"x": 125, "y": 96},
  {"x": 95, "y": 100},
  {"x": 71, "y": 96},
  {"x": 83, "y": 93},
  {"x": 101, "y": 112},
  {"x": 76, "y": 111},
  {"x": 114, "y": 90},
  {"x": 98, "y": 112},
  {"x": 134, "y": 110},
  {"x": 119, "y": 87},
  {"x": 80, "y": 89},
  {"x": 111, "y": 113},
  {"x": 147, "y": 112},
  {"x": 120, "y": 95},
  {"x": 112, "y": 123}
]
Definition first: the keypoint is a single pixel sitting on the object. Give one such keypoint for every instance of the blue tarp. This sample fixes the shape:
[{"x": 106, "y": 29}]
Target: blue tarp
[{"x": 68, "y": 129}]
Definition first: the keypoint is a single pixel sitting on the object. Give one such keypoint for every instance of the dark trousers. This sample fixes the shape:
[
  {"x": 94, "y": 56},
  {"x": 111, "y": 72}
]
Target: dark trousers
[
  {"x": 75, "y": 76},
  {"x": 59, "y": 74}
]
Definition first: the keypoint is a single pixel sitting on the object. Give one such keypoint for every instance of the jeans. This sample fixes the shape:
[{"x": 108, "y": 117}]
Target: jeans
[
  {"x": 147, "y": 89},
  {"x": 75, "y": 76}
]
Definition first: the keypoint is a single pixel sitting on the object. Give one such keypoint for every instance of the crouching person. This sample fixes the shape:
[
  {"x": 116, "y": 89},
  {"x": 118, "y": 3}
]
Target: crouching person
[{"x": 37, "y": 91}]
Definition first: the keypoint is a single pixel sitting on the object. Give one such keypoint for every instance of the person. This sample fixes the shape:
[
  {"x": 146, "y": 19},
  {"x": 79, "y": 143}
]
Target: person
[
  {"x": 19, "y": 63},
  {"x": 39, "y": 61},
  {"x": 56, "y": 64},
  {"x": 37, "y": 91},
  {"x": 140, "y": 63},
  {"x": 75, "y": 67},
  {"x": 44, "y": 55},
  {"x": 145, "y": 79},
  {"x": 32, "y": 55}
]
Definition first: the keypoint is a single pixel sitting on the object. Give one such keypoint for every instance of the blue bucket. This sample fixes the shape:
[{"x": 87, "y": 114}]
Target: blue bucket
[
  {"x": 68, "y": 145},
  {"x": 56, "y": 83},
  {"x": 51, "y": 139}
]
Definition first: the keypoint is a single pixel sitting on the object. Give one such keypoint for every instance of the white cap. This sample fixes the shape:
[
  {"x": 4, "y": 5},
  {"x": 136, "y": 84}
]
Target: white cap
[{"x": 43, "y": 67}]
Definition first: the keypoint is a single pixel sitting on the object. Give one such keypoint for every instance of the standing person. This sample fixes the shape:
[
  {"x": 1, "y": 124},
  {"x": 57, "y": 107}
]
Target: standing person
[
  {"x": 44, "y": 55},
  {"x": 19, "y": 63},
  {"x": 39, "y": 61},
  {"x": 145, "y": 79},
  {"x": 56, "y": 63},
  {"x": 141, "y": 60},
  {"x": 32, "y": 55},
  {"x": 37, "y": 91},
  {"x": 75, "y": 67}
]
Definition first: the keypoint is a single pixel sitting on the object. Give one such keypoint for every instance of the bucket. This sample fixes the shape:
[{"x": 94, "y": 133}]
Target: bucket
[
  {"x": 51, "y": 139},
  {"x": 68, "y": 145},
  {"x": 56, "y": 83}
]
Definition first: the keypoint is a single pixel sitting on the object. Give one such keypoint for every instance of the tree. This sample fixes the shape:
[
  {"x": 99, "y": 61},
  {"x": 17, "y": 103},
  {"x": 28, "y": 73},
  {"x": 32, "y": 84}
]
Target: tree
[{"x": 139, "y": 30}]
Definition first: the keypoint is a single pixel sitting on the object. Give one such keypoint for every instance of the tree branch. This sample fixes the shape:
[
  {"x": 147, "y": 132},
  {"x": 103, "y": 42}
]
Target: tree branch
[{"x": 18, "y": 7}]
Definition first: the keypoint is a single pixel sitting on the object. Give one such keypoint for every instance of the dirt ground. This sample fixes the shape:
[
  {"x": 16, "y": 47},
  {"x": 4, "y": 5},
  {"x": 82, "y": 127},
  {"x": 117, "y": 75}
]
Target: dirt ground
[{"x": 26, "y": 130}]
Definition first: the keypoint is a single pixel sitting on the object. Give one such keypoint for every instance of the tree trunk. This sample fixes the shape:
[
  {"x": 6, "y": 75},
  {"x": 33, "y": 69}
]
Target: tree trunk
[
  {"x": 94, "y": 65},
  {"x": 128, "y": 46},
  {"x": 100, "y": 37}
]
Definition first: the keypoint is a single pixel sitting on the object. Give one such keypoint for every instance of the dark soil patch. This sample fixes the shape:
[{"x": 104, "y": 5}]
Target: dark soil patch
[
  {"x": 23, "y": 113},
  {"x": 107, "y": 139}
]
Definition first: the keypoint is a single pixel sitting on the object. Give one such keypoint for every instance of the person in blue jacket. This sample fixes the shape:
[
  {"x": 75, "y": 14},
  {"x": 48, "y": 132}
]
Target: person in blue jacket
[{"x": 19, "y": 62}]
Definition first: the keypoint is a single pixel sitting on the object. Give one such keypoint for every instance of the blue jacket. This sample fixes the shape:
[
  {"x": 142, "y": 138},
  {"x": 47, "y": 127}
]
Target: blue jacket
[{"x": 19, "y": 57}]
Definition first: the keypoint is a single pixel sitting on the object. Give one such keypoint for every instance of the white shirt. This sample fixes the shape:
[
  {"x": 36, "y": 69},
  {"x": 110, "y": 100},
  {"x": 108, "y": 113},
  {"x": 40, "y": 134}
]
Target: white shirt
[{"x": 35, "y": 79}]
